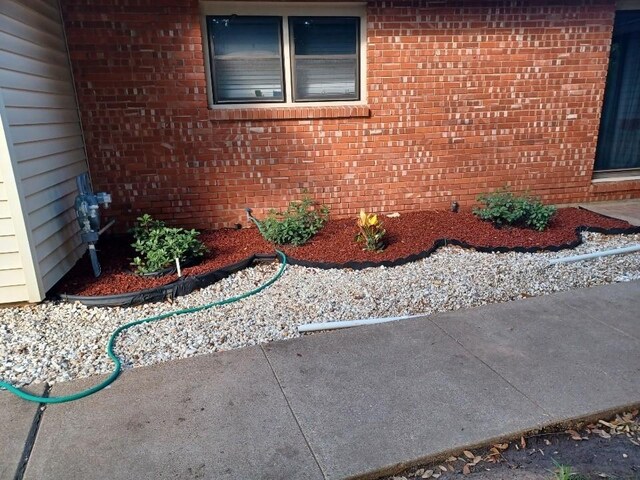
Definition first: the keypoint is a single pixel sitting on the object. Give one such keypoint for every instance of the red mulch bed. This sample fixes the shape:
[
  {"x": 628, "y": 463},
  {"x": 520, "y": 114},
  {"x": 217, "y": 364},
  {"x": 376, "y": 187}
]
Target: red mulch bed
[{"x": 409, "y": 234}]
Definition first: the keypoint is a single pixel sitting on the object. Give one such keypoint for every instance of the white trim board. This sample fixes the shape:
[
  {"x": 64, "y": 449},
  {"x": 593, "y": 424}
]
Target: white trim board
[{"x": 285, "y": 10}]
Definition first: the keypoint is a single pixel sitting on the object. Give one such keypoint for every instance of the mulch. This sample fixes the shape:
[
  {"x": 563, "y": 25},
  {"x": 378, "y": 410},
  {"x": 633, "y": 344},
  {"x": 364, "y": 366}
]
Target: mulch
[{"x": 409, "y": 235}]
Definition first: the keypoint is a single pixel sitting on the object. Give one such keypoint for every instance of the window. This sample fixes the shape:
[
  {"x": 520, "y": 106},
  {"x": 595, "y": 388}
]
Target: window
[
  {"x": 324, "y": 55},
  {"x": 619, "y": 138},
  {"x": 246, "y": 59},
  {"x": 260, "y": 55}
]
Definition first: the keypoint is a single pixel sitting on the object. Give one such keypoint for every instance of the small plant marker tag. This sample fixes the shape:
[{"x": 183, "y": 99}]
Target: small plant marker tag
[{"x": 178, "y": 267}]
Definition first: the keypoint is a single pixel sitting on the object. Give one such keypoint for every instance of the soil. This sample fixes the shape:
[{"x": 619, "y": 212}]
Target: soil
[
  {"x": 594, "y": 457},
  {"x": 408, "y": 234}
]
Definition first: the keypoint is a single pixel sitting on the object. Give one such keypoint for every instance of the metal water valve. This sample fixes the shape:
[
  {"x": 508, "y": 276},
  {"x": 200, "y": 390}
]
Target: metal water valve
[{"x": 87, "y": 207}]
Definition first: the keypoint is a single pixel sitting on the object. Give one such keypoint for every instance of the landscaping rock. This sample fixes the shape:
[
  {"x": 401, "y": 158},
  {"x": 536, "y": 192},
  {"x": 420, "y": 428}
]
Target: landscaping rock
[{"x": 57, "y": 341}]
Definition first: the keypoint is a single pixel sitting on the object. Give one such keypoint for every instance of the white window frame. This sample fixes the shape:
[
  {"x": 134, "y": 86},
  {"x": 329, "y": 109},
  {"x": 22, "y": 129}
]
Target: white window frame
[{"x": 286, "y": 10}]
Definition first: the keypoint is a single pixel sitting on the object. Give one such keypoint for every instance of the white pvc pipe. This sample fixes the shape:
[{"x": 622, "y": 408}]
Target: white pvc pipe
[
  {"x": 314, "y": 327},
  {"x": 589, "y": 256},
  {"x": 106, "y": 227}
]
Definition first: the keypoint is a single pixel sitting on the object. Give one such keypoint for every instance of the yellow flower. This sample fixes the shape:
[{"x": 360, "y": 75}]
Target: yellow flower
[{"x": 373, "y": 220}]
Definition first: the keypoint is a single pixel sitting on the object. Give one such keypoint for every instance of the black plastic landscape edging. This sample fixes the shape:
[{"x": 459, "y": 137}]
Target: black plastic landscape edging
[
  {"x": 182, "y": 286},
  {"x": 444, "y": 242},
  {"x": 187, "y": 284}
]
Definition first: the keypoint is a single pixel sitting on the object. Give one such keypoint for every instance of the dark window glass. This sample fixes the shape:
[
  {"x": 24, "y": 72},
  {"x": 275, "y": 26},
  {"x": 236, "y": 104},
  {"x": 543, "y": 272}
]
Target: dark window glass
[
  {"x": 619, "y": 138},
  {"x": 246, "y": 59},
  {"x": 325, "y": 58}
]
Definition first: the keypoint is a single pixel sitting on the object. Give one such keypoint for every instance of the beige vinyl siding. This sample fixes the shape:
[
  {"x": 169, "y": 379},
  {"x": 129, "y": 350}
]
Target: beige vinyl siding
[
  {"x": 13, "y": 283},
  {"x": 43, "y": 130}
]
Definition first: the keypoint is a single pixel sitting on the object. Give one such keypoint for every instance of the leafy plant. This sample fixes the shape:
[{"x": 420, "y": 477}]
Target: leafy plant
[
  {"x": 371, "y": 231},
  {"x": 297, "y": 224},
  {"x": 503, "y": 207},
  {"x": 158, "y": 245},
  {"x": 565, "y": 472}
]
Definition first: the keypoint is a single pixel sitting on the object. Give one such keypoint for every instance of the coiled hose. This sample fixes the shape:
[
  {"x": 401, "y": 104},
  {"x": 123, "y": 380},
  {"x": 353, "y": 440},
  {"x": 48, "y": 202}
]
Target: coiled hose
[{"x": 112, "y": 340}]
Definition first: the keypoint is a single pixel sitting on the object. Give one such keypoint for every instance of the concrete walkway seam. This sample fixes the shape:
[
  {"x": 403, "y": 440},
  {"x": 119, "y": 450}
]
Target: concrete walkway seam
[
  {"x": 284, "y": 395},
  {"x": 31, "y": 437},
  {"x": 606, "y": 324},
  {"x": 489, "y": 367}
]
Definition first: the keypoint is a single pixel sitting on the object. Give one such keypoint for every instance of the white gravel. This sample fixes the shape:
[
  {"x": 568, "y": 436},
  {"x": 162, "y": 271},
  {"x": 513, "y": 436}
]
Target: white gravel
[{"x": 55, "y": 342}]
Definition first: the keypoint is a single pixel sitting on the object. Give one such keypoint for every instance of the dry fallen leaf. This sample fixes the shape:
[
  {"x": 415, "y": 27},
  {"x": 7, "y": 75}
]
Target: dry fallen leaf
[
  {"x": 523, "y": 443},
  {"x": 607, "y": 424},
  {"x": 442, "y": 467},
  {"x": 427, "y": 474},
  {"x": 574, "y": 435},
  {"x": 547, "y": 442},
  {"x": 468, "y": 454},
  {"x": 419, "y": 472},
  {"x": 466, "y": 470},
  {"x": 452, "y": 459}
]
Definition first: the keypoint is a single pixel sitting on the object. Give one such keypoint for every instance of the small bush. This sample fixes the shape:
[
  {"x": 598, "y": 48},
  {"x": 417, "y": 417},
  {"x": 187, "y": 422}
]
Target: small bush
[
  {"x": 371, "y": 232},
  {"x": 297, "y": 224},
  {"x": 502, "y": 207},
  {"x": 158, "y": 245}
]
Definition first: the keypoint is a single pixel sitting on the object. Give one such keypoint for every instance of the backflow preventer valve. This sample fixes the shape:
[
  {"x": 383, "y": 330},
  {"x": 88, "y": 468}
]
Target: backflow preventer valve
[{"x": 88, "y": 212}]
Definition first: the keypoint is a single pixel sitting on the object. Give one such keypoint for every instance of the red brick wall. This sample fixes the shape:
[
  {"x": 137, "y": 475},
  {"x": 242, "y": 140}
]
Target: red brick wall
[{"x": 462, "y": 98}]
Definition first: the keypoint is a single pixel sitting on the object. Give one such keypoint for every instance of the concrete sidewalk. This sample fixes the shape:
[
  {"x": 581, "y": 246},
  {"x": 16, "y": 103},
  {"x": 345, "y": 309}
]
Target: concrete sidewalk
[
  {"x": 627, "y": 210},
  {"x": 345, "y": 404}
]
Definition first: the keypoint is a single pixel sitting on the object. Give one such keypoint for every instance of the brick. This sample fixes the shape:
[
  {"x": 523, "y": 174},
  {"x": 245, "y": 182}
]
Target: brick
[{"x": 463, "y": 97}]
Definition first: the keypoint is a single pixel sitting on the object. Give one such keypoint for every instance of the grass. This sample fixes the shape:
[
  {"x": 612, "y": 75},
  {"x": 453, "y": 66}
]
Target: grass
[{"x": 565, "y": 472}]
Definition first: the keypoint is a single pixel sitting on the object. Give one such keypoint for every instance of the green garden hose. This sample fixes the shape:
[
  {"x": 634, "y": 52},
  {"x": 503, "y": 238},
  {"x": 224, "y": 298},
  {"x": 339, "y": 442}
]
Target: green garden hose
[{"x": 112, "y": 340}]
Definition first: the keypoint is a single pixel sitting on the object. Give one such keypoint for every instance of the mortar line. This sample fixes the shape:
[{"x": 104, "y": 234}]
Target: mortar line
[
  {"x": 295, "y": 417},
  {"x": 31, "y": 437},
  {"x": 491, "y": 368}
]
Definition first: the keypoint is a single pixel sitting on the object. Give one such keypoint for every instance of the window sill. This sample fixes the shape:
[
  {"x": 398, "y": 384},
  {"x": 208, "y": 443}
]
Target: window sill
[
  {"x": 615, "y": 184},
  {"x": 298, "y": 112},
  {"x": 631, "y": 174},
  {"x": 610, "y": 179}
]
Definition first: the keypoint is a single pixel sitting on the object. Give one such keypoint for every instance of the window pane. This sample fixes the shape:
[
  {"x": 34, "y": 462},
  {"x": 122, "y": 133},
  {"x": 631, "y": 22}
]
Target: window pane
[
  {"x": 619, "y": 138},
  {"x": 325, "y": 57},
  {"x": 247, "y": 60},
  {"x": 326, "y": 78},
  {"x": 246, "y": 36},
  {"x": 325, "y": 36}
]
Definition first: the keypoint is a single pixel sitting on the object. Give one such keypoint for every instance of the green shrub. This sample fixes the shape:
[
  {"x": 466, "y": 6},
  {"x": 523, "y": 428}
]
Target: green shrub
[
  {"x": 296, "y": 225},
  {"x": 502, "y": 207},
  {"x": 158, "y": 246}
]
